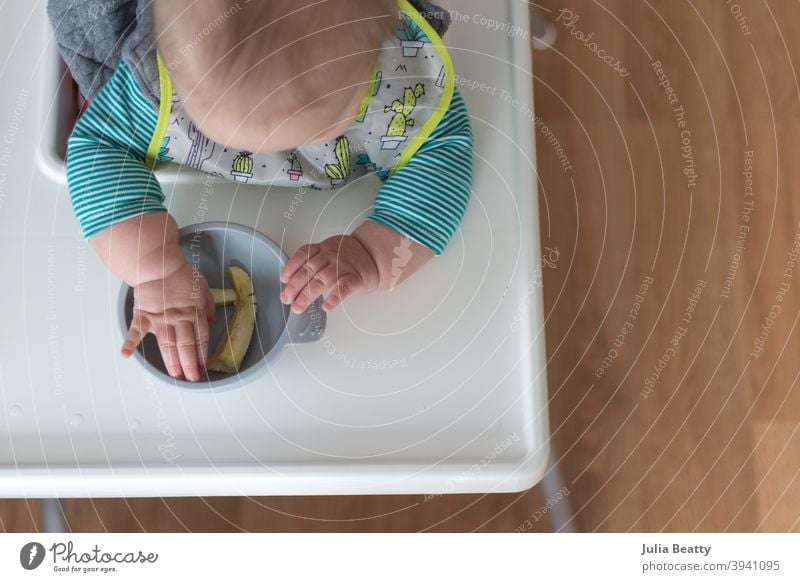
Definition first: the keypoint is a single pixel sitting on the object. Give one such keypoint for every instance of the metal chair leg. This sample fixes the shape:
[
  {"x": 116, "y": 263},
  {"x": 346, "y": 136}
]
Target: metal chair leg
[
  {"x": 52, "y": 516},
  {"x": 543, "y": 32},
  {"x": 560, "y": 514}
]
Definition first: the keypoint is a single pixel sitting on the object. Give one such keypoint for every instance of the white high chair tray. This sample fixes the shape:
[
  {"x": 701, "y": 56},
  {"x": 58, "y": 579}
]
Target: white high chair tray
[{"x": 436, "y": 387}]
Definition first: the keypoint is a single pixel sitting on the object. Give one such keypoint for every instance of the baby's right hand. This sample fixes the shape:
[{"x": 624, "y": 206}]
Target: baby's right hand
[{"x": 176, "y": 310}]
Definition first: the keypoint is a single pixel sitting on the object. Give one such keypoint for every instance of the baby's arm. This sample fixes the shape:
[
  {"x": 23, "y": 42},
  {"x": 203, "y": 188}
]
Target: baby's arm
[
  {"x": 426, "y": 199},
  {"x": 119, "y": 205},
  {"x": 423, "y": 203},
  {"x": 416, "y": 214}
]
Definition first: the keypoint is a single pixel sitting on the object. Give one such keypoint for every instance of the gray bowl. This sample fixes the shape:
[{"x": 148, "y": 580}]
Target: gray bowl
[{"x": 213, "y": 246}]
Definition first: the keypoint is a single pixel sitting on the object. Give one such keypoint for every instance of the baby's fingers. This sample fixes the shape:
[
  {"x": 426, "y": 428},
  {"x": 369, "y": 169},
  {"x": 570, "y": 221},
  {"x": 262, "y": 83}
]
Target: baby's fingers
[
  {"x": 306, "y": 275},
  {"x": 317, "y": 285},
  {"x": 186, "y": 342},
  {"x": 299, "y": 258},
  {"x": 139, "y": 328},
  {"x": 169, "y": 350},
  {"x": 344, "y": 287},
  {"x": 201, "y": 328}
]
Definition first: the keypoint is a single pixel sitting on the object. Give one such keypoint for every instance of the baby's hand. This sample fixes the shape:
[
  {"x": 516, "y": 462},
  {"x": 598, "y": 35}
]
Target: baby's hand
[
  {"x": 176, "y": 310},
  {"x": 341, "y": 263}
]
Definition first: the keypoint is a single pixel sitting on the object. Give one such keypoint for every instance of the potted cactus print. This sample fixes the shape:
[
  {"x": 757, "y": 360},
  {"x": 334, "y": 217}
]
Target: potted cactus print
[
  {"x": 396, "y": 134},
  {"x": 440, "y": 79},
  {"x": 296, "y": 170},
  {"x": 363, "y": 160},
  {"x": 163, "y": 151},
  {"x": 340, "y": 171},
  {"x": 382, "y": 173},
  {"x": 412, "y": 37},
  {"x": 243, "y": 167}
]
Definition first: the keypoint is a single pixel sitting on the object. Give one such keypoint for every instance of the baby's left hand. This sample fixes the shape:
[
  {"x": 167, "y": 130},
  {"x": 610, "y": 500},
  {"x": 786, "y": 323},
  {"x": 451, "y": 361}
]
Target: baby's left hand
[{"x": 341, "y": 263}]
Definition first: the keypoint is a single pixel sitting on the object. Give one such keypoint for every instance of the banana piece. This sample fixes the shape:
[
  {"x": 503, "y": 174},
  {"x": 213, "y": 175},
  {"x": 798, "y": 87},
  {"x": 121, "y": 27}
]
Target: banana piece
[
  {"x": 223, "y": 297},
  {"x": 233, "y": 345}
]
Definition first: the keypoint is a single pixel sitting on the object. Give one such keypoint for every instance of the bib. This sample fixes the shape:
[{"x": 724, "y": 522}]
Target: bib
[{"x": 411, "y": 90}]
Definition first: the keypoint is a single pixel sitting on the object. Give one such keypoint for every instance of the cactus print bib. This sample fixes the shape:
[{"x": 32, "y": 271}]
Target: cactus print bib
[{"x": 410, "y": 92}]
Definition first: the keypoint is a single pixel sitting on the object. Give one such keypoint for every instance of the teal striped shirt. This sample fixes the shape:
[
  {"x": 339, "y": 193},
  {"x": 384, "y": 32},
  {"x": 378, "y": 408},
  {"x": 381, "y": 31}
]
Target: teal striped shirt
[{"x": 109, "y": 181}]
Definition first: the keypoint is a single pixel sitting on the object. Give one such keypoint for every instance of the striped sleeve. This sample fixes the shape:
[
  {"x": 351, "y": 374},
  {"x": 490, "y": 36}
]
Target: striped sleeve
[
  {"x": 426, "y": 199},
  {"x": 106, "y": 172}
]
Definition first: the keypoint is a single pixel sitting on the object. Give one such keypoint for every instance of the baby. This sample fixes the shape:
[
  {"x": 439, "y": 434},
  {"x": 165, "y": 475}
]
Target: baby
[{"x": 310, "y": 93}]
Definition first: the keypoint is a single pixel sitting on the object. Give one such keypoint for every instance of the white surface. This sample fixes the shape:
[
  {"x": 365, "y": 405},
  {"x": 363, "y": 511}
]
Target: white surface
[{"x": 466, "y": 413}]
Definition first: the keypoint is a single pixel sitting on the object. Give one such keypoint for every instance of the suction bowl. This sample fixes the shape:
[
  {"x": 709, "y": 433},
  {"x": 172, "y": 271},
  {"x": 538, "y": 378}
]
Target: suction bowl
[{"x": 212, "y": 247}]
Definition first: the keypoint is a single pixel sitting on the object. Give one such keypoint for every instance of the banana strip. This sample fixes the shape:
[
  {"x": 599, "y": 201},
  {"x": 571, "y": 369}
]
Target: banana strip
[
  {"x": 223, "y": 297},
  {"x": 233, "y": 345}
]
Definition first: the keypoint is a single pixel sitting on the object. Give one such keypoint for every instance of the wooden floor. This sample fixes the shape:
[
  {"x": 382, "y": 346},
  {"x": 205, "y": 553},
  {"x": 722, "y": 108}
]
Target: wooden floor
[{"x": 682, "y": 414}]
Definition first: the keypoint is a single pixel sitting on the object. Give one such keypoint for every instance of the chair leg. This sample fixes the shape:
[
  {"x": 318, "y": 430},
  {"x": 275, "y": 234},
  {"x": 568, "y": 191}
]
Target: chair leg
[
  {"x": 543, "y": 32},
  {"x": 560, "y": 515},
  {"x": 52, "y": 516}
]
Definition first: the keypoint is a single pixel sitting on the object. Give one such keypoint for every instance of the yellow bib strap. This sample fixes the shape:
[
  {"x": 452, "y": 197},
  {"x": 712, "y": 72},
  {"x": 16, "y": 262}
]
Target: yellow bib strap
[
  {"x": 164, "y": 108},
  {"x": 447, "y": 93}
]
